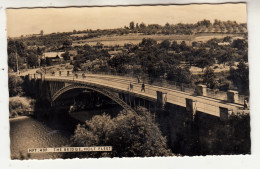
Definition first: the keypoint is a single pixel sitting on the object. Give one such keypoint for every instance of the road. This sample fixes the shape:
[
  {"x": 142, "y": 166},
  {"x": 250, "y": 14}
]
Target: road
[{"x": 118, "y": 83}]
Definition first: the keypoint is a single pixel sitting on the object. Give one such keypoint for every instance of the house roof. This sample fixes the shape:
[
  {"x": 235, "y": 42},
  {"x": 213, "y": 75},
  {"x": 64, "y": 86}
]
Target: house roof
[
  {"x": 114, "y": 52},
  {"x": 52, "y": 54}
]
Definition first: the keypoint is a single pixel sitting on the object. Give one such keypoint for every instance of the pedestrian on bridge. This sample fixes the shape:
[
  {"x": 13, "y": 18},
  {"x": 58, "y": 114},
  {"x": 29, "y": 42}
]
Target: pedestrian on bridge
[
  {"x": 143, "y": 87},
  {"x": 131, "y": 87},
  {"x": 245, "y": 104}
]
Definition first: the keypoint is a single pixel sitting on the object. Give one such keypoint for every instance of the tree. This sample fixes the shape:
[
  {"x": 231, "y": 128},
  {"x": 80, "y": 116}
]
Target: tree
[
  {"x": 240, "y": 44},
  {"x": 130, "y": 135},
  {"x": 132, "y": 25},
  {"x": 165, "y": 44},
  {"x": 209, "y": 78},
  {"x": 148, "y": 42},
  {"x": 142, "y": 25},
  {"x": 175, "y": 46},
  {"x": 12, "y": 61},
  {"x": 183, "y": 46},
  {"x": 14, "y": 85},
  {"x": 66, "y": 56},
  {"x": 136, "y": 26},
  {"x": 41, "y": 32},
  {"x": 39, "y": 51},
  {"x": 240, "y": 77},
  {"x": 67, "y": 43},
  {"x": 32, "y": 60},
  {"x": 179, "y": 74},
  {"x": 203, "y": 62},
  {"x": 167, "y": 25}
]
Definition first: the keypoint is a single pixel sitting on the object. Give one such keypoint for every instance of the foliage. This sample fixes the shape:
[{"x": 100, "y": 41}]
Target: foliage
[
  {"x": 240, "y": 44},
  {"x": 240, "y": 77},
  {"x": 180, "y": 75},
  {"x": 66, "y": 56},
  {"x": 130, "y": 135},
  {"x": 15, "y": 85},
  {"x": 209, "y": 78},
  {"x": 18, "y": 105},
  {"x": 230, "y": 137},
  {"x": 32, "y": 60}
]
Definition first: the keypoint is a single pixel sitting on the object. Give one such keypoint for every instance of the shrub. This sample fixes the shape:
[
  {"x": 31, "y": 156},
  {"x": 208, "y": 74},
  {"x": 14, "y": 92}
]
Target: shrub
[
  {"x": 18, "y": 105},
  {"x": 15, "y": 85},
  {"x": 130, "y": 135}
]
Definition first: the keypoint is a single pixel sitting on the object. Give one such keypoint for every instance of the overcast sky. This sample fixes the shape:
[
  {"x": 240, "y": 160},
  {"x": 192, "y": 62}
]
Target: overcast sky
[{"x": 31, "y": 21}]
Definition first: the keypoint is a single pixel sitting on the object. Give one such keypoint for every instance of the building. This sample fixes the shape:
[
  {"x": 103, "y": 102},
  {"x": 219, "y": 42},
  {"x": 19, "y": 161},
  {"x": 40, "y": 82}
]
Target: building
[
  {"x": 52, "y": 58},
  {"x": 72, "y": 54},
  {"x": 112, "y": 53},
  {"x": 223, "y": 44}
]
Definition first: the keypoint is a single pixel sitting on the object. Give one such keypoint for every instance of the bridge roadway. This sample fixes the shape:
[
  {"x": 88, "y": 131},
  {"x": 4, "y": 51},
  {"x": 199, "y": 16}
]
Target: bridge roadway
[{"x": 121, "y": 84}]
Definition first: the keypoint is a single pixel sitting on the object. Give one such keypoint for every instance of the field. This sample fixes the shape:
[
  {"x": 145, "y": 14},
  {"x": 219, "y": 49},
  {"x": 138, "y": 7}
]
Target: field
[
  {"x": 120, "y": 40},
  {"x": 130, "y": 38}
]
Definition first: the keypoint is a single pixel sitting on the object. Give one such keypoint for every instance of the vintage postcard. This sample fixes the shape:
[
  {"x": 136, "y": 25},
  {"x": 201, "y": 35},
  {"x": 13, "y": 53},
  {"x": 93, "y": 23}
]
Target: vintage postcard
[{"x": 128, "y": 81}]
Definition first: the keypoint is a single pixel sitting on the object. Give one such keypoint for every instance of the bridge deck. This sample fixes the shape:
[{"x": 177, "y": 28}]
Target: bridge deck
[{"x": 121, "y": 84}]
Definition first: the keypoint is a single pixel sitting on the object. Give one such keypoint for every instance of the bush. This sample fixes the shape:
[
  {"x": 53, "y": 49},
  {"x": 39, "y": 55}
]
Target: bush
[
  {"x": 15, "y": 85},
  {"x": 18, "y": 105},
  {"x": 129, "y": 134}
]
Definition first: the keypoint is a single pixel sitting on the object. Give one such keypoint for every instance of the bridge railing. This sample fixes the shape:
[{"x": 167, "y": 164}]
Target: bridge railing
[
  {"x": 188, "y": 88},
  {"x": 126, "y": 79}
]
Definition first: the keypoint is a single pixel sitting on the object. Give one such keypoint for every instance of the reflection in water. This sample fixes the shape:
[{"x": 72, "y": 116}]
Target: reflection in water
[{"x": 30, "y": 133}]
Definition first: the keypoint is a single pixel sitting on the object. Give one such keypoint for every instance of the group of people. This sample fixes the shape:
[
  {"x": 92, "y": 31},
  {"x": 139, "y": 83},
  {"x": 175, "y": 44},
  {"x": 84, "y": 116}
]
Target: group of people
[{"x": 131, "y": 87}]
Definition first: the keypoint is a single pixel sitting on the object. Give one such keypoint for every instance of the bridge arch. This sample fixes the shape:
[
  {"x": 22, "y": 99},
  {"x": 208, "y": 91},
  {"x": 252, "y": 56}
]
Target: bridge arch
[{"x": 110, "y": 95}]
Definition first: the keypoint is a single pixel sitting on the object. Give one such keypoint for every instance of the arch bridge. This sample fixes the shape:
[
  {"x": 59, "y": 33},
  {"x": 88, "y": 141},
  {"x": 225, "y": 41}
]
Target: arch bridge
[{"x": 117, "y": 88}]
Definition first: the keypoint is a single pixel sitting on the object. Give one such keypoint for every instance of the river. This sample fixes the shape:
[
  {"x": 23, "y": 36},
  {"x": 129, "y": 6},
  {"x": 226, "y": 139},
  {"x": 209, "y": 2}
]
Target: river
[
  {"x": 54, "y": 131},
  {"x": 31, "y": 133}
]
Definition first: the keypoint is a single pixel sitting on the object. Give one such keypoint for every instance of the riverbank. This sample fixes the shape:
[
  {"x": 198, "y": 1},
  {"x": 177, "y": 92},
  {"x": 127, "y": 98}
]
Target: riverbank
[{"x": 18, "y": 118}]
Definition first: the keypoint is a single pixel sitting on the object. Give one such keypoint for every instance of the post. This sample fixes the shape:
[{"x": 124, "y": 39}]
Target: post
[
  {"x": 201, "y": 90},
  {"x": 232, "y": 96},
  {"x": 224, "y": 113},
  {"x": 59, "y": 73},
  {"x": 161, "y": 99},
  {"x": 68, "y": 73},
  {"x": 30, "y": 77},
  {"x": 191, "y": 107}
]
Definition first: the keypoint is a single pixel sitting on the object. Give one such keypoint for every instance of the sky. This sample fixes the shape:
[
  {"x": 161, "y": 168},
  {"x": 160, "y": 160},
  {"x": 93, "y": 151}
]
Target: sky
[{"x": 26, "y": 21}]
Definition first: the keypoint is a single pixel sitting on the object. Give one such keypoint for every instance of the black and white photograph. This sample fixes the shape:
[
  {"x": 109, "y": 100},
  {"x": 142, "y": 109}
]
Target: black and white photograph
[{"x": 128, "y": 81}]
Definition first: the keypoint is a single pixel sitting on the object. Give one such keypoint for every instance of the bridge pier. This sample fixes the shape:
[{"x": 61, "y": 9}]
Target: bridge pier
[
  {"x": 191, "y": 107},
  {"x": 224, "y": 113},
  {"x": 161, "y": 99},
  {"x": 29, "y": 77}
]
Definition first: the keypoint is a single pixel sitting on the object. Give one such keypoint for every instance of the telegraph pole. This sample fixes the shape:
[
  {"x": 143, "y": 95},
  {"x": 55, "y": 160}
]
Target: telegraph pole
[{"x": 17, "y": 67}]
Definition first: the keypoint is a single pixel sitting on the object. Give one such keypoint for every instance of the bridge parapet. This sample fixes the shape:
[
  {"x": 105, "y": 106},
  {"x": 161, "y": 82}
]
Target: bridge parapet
[
  {"x": 201, "y": 90},
  {"x": 203, "y": 102}
]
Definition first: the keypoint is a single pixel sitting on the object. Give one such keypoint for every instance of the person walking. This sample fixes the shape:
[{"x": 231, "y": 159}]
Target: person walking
[
  {"x": 143, "y": 87},
  {"x": 245, "y": 104},
  {"x": 131, "y": 87}
]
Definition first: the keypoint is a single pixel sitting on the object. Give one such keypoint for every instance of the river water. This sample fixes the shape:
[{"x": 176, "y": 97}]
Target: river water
[
  {"x": 30, "y": 133},
  {"x": 54, "y": 131}
]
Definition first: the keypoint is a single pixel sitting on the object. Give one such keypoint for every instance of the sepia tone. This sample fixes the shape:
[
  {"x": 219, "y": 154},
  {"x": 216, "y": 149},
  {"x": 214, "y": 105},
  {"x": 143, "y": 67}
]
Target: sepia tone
[{"x": 145, "y": 81}]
